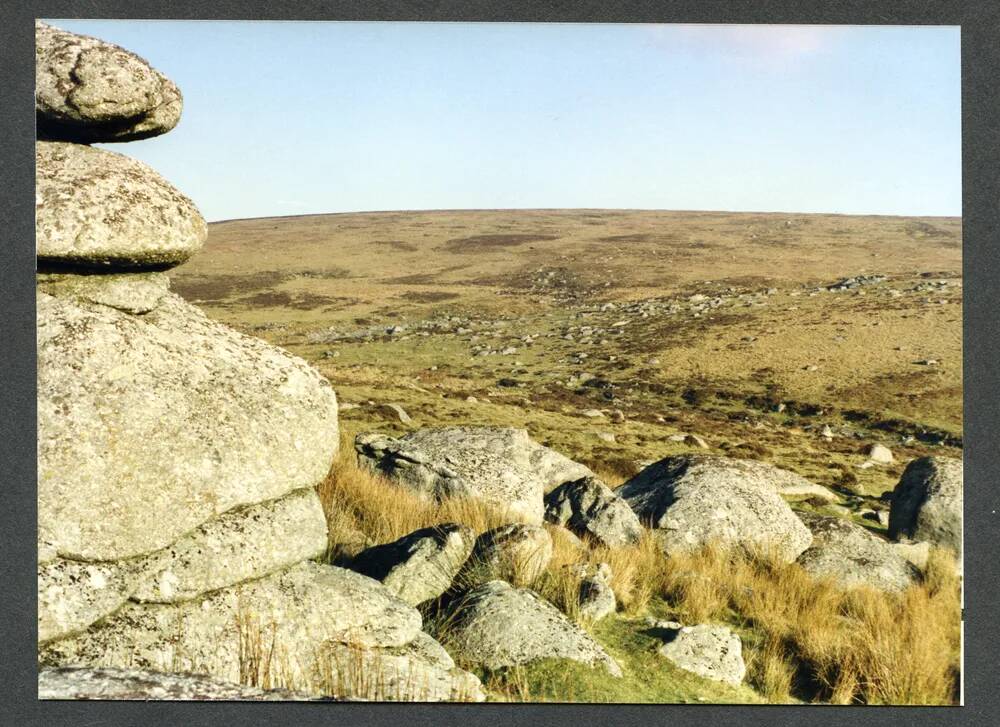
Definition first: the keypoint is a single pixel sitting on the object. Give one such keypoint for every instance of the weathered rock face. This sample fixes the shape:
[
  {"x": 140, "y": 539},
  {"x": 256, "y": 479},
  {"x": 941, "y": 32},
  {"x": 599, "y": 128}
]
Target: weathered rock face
[
  {"x": 927, "y": 503},
  {"x": 589, "y": 507},
  {"x": 88, "y": 90},
  {"x": 98, "y": 209},
  {"x": 516, "y": 553},
  {"x": 420, "y": 566},
  {"x": 502, "y": 466},
  {"x": 151, "y": 425},
  {"x": 712, "y": 652},
  {"x": 135, "y": 293},
  {"x": 497, "y": 625},
  {"x": 853, "y": 556},
  {"x": 296, "y": 627},
  {"x": 244, "y": 543},
  {"x": 144, "y": 685},
  {"x": 696, "y": 500},
  {"x": 74, "y": 594}
]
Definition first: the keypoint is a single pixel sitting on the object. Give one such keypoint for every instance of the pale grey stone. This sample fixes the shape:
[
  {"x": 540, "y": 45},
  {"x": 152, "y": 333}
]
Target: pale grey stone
[
  {"x": 881, "y": 454},
  {"x": 241, "y": 544},
  {"x": 927, "y": 503},
  {"x": 589, "y": 507},
  {"x": 712, "y": 652},
  {"x": 288, "y": 615},
  {"x": 148, "y": 426},
  {"x": 98, "y": 209},
  {"x": 420, "y": 566},
  {"x": 853, "y": 556},
  {"x": 88, "y": 90},
  {"x": 135, "y": 293},
  {"x": 597, "y": 598},
  {"x": 498, "y": 465},
  {"x": 696, "y": 500},
  {"x": 74, "y": 594},
  {"x": 496, "y": 625},
  {"x": 145, "y": 685},
  {"x": 518, "y": 553}
]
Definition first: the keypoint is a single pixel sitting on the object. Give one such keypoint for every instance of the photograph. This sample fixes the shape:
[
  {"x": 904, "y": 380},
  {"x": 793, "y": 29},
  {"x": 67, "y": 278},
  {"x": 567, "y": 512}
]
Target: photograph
[{"x": 517, "y": 362}]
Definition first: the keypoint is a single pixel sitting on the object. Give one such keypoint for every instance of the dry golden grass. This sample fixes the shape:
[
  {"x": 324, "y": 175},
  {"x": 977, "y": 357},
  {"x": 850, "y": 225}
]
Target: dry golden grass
[{"x": 805, "y": 638}]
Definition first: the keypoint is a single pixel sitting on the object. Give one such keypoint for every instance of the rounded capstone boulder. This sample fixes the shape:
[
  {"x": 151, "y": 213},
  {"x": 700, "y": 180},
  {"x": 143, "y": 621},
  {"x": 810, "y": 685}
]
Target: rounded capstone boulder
[
  {"x": 927, "y": 503},
  {"x": 88, "y": 90},
  {"x": 149, "y": 426},
  {"x": 97, "y": 209},
  {"x": 694, "y": 501}
]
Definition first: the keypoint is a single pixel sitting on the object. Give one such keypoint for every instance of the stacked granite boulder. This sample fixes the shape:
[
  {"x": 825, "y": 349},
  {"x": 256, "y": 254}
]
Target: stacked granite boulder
[{"x": 177, "y": 458}]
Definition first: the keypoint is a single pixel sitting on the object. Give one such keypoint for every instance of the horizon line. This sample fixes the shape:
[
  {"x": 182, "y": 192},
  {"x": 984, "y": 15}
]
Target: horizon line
[{"x": 582, "y": 209}]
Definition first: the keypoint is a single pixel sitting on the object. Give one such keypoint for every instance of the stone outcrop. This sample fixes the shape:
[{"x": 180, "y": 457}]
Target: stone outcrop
[
  {"x": 177, "y": 458},
  {"x": 712, "y": 652},
  {"x": 99, "y": 209},
  {"x": 515, "y": 553},
  {"x": 927, "y": 503},
  {"x": 150, "y": 425},
  {"x": 500, "y": 466},
  {"x": 88, "y": 90},
  {"x": 853, "y": 556},
  {"x": 496, "y": 625},
  {"x": 297, "y": 626},
  {"x": 597, "y": 598},
  {"x": 420, "y": 566},
  {"x": 693, "y": 501},
  {"x": 588, "y": 507}
]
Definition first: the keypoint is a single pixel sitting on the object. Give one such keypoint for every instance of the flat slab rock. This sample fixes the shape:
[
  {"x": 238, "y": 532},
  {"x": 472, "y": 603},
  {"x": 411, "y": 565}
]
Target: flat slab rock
[
  {"x": 149, "y": 426},
  {"x": 420, "y": 566},
  {"x": 88, "y": 90},
  {"x": 145, "y": 685},
  {"x": 696, "y": 500},
  {"x": 588, "y": 507},
  {"x": 853, "y": 556},
  {"x": 497, "y": 625},
  {"x": 712, "y": 652},
  {"x": 500, "y": 465},
  {"x": 98, "y": 209},
  {"x": 135, "y": 293},
  {"x": 321, "y": 630},
  {"x": 239, "y": 545},
  {"x": 927, "y": 503}
]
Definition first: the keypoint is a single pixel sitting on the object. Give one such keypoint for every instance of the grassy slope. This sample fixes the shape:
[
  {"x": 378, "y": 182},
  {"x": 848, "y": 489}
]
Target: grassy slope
[{"x": 845, "y": 359}]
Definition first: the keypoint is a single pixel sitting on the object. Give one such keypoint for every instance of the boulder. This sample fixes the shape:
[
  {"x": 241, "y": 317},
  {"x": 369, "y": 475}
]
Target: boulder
[
  {"x": 318, "y": 629},
  {"x": 881, "y": 454},
  {"x": 853, "y": 556},
  {"x": 499, "y": 465},
  {"x": 88, "y": 90},
  {"x": 95, "y": 209},
  {"x": 145, "y": 685},
  {"x": 135, "y": 293},
  {"x": 927, "y": 503},
  {"x": 420, "y": 566},
  {"x": 712, "y": 652},
  {"x": 149, "y": 426},
  {"x": 693, "y": 501},
  {"x": 241, "y": 544},
  {"x": 597, "y": 598},
  {"x": 589, "y": 507},
  {"x": 516, "y": 553},
  {"x": 496, "y": 625},
  {"x": 74, "y": 594},
  {"x": 392, "y": 412}
]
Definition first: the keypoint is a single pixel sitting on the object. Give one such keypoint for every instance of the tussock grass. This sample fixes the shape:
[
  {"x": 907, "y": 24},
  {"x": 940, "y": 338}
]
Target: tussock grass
[{"x": 804, "y": 638}]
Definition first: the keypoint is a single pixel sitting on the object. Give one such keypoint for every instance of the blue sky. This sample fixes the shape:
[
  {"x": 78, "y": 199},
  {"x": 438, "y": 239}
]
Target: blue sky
[{"x": 284, "y": 118}]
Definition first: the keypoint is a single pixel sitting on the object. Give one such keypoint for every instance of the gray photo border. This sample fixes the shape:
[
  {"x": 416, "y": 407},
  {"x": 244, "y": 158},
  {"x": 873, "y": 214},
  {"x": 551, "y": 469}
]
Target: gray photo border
[{"x": 980, "y": 24}]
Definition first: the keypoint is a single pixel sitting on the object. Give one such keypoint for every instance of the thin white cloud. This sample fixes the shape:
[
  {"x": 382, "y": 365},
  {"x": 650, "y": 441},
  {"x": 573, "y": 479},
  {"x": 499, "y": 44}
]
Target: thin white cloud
[{"x": 764, "y": 44}]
